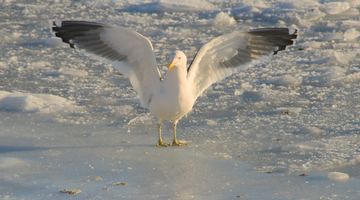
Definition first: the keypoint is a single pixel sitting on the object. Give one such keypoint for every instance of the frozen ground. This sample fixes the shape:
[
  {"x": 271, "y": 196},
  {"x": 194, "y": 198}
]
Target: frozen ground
[{"x": 69, "y": 121}]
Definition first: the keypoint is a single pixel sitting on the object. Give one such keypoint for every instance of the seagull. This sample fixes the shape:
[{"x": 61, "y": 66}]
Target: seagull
[{"x": 173, "y": 96}]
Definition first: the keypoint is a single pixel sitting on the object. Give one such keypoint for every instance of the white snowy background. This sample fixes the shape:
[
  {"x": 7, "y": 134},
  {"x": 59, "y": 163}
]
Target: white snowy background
[{"x": 68, "y": 121}]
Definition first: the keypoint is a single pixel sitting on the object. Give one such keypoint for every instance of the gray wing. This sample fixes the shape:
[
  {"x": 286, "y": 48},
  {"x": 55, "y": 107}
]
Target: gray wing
[
  {"x": 234, "y": 52},
  {"x": 128, "y": 51}
]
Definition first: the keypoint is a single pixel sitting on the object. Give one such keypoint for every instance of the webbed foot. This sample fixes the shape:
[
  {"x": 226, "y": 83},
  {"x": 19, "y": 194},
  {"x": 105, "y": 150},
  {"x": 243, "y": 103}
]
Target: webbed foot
[
  {"x": 179, "y": 143},
  {"x": 162, "y": 144}
]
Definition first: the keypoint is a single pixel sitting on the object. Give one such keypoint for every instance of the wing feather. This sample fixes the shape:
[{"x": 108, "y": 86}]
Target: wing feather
[
  {"x": 230, "y": 53},
  {"x": 129, "y": 52}
]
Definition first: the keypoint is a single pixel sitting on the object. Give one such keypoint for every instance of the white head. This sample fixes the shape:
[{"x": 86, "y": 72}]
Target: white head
[{"x": 178, "y": 61}]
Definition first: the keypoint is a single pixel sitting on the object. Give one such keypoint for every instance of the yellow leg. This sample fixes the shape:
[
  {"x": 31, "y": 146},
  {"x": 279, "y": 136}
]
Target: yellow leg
[
  {"x": 176, "y": 142},
  {"x": 160, "y": 141}
]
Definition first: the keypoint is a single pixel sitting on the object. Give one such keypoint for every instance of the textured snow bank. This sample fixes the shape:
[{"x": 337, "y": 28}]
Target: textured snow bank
[
  {"x": 345, "y": 57},
  {"x": 26, "y": 102},
  {"x": 351, "y": 34},
  {"x": 338, "y": 176},
  {"x": 73, "y": 72},
  {"x": 3, "y": 65},
  {"x": 333, "y": 8},
  {"x": 8, "y": 36},
  {"x": 286, "y": 81},
  {"x": 171, "y": 6},
  {"x": 189, "y": 5},
  {"x": 256, "y": 3},
  {"x": 299, "y": 4},
  {"x": 326, "y": 148},
  {"x": 37, "y": 65},
  {"x": 222, "y": 19}
]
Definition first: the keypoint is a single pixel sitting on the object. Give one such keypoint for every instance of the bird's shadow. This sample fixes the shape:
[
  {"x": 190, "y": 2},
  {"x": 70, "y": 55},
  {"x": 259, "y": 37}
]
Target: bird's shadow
[
  {"x": 13, "y": 149},
  {"x": 10, "y": 149}
]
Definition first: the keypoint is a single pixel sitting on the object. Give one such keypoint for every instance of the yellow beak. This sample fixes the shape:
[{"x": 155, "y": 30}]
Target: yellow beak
[{"x": 171, "y": 65}]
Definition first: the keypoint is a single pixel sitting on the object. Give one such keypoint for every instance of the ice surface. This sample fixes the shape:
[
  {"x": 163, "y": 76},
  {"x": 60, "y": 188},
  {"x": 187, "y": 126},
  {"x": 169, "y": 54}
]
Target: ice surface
[{"x": 68, "y": 119}]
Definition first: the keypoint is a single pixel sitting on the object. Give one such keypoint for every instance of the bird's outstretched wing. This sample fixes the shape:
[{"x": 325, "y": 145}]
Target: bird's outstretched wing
[
  {"x": 230, "y": 53},
  {"x": 128, "y": 51}
]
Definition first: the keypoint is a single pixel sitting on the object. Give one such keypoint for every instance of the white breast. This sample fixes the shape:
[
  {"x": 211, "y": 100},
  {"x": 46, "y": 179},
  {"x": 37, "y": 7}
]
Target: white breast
[{"x": 174, "y": 98}]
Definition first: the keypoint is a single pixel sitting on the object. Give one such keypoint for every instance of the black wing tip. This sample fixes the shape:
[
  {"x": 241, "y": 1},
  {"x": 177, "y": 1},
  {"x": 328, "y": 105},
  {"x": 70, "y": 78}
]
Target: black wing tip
[
  {"x": 55, "y": 26},
  {"x": 60, "y": 33},
  {"x": 294, "y": 34},
  {"x": 274, "y": 31},
  {"x": 77, "y": 23},
  {"x": 291, "y": 37},
  {"x": 67, "y": 30},
  {"x": 280, "y": 37}
]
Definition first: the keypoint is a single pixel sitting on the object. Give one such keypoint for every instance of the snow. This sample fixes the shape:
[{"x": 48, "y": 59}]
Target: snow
[
  {"x": 171, "y": 6},
  {"x": 315, "y": 131},
  {"x": 9, "y": 37},
  {"x": 26, "y": 102},
  {"x": 333, "y": 8},
  {"x": 352, "y": 78},
  {"x": 345, "y": 58},
  {"x": 286, "y": 80},
  {"x": 222, "y": 19},
  {"x": 351, "y": 34},
  {"x": 9, "y": 162},
  {"x": 338, "y": 176},
  {"x": 288, "y": 128},
  {"x": 210, "y": 122},
  {"x": 2, "y": 65},
  {"x": 13, "y": 59},
  {"x": 187, "y": 5},
  {"x": 36, "y": 65},
  {"x": 73, "y": 72}
]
